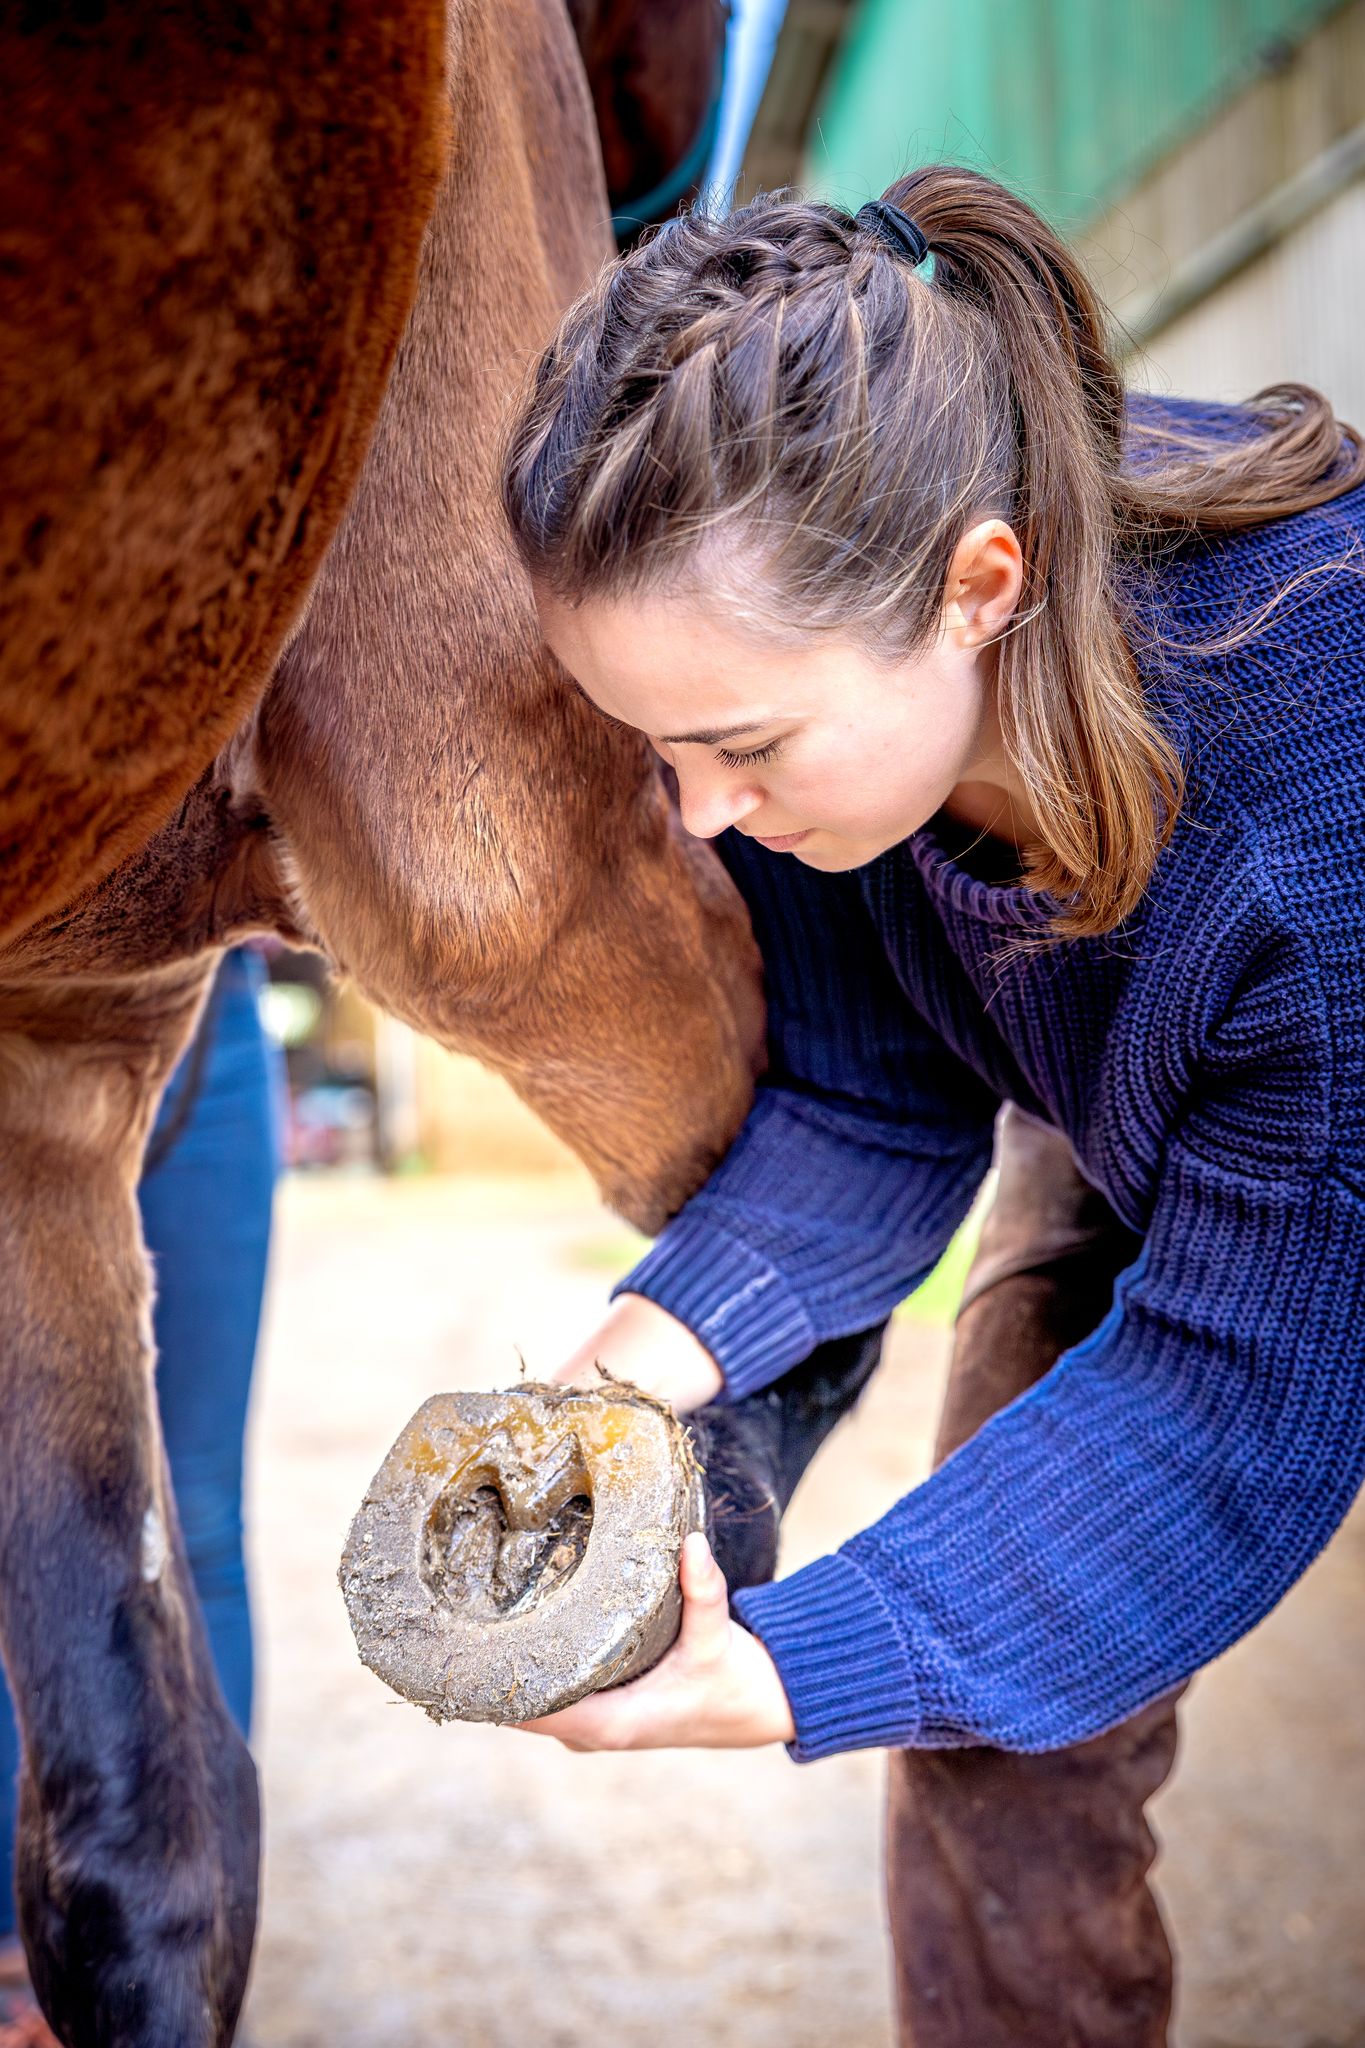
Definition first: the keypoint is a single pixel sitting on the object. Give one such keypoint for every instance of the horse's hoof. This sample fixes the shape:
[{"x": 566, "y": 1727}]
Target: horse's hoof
[{"x": 517, "y": 1551}]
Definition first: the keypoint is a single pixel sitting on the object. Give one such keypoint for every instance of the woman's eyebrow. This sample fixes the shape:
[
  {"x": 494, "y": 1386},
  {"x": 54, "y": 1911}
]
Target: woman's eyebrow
[{"x": 713, "y": 737}]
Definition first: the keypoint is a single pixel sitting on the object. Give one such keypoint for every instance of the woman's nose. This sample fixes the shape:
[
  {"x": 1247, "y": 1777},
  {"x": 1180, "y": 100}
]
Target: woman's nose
[{"x": 711, "y": 804}]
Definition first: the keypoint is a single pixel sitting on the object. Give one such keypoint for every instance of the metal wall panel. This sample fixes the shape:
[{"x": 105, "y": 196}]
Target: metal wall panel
[
  {"x": 1298, "y": 313},
  {"x": 1070, "y": 100}
]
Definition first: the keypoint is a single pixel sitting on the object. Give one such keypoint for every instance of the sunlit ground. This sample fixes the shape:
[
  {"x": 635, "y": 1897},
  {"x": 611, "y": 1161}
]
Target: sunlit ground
[{"x": 483, "y": 1889}]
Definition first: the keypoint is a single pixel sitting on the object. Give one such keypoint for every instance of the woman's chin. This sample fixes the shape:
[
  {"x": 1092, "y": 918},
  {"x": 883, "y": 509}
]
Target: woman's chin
[
  {"x": 832, "y": 856},
  {"x": 835, "y": 856}
]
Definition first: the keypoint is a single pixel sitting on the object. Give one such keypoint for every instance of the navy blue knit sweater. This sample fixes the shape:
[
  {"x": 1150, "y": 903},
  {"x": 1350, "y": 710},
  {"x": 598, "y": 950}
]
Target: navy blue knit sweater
[{"x": 1169, "y": 1480}]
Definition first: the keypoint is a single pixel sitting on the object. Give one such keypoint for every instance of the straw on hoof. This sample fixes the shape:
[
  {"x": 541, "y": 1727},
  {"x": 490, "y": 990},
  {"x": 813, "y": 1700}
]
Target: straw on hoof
[{"x": 516, "y": 1551}]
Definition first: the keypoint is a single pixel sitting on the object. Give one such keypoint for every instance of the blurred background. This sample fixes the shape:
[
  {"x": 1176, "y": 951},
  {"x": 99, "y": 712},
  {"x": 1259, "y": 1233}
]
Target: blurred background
[{"x": 486, "y": 1888}]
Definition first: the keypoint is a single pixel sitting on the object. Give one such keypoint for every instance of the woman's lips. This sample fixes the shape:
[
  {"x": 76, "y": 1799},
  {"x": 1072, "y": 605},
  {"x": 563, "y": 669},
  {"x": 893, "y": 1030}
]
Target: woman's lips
[{"x": 787, "y": 841}]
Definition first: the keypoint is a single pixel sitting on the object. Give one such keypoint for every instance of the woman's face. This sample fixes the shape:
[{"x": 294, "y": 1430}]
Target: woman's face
[{"x": 815, "y": 749}]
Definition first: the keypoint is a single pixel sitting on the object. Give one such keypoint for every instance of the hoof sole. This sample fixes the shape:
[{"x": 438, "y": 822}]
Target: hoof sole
[{"x": 517, "y": 1551}]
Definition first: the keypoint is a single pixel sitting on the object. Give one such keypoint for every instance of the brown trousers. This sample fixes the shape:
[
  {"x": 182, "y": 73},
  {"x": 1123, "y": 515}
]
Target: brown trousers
[{"x": 1017, "y": 1885}]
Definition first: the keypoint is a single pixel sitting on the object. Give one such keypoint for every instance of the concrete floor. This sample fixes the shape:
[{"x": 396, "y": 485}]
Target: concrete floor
[{"x": 484, "y": 1889}]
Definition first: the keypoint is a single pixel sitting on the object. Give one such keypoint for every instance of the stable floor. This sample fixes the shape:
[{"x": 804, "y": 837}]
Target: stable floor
[{"x": 479, "y": 1888}]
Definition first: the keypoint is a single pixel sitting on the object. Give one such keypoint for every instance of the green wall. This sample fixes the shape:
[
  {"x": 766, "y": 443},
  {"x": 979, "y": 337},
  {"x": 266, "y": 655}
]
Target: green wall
[{"x": 1069, "y": 100}]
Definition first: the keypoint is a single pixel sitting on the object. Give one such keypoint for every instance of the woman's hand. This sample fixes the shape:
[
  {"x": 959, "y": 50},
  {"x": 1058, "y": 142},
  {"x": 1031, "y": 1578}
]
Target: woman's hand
[
  {"x": 717, "y": 1688},
  {"x": 641, "y": 1342}
]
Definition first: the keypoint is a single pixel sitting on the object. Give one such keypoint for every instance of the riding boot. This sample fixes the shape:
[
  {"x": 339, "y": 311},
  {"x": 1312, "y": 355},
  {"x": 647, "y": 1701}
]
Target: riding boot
[{"x": 1017, "y": 1885}]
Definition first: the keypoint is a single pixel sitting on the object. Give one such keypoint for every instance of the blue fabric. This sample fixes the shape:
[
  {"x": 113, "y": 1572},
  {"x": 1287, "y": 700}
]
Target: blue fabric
[
  {"x": 206, "y": 1218},
  {"x": 1170, "y": 1479}
]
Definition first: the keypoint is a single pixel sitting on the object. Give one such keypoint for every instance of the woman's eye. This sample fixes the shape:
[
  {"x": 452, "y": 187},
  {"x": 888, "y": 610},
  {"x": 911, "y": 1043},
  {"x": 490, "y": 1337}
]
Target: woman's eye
[{"x": 759, "y": 754}]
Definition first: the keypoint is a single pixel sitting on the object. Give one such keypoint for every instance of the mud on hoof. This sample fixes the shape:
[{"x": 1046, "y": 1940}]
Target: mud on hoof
[{"x": 517, "y": 1551}]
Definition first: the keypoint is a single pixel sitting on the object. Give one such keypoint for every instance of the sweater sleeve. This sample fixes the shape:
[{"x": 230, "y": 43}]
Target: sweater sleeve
[
  {"x": 1133, "y": 1514},
  {"x": 861, "y": 1156}
]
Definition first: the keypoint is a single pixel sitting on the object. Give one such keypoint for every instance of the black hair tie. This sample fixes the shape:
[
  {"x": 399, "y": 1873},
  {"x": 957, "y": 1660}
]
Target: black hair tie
[{"x": 896, "y": 229}]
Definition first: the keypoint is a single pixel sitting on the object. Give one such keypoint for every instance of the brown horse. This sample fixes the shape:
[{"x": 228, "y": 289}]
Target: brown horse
[
  {"x": 655, "y": 74},
  {"x": 270, "y": 665}
]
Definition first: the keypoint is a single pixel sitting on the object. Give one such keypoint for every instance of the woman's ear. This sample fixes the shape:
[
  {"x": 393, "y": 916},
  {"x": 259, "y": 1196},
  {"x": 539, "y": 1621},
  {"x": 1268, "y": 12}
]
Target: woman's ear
[{"x": 983, "y": 584}]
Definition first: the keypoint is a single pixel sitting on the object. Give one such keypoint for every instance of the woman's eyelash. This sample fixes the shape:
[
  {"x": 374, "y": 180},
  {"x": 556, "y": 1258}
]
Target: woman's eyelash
[{"x": 748, "y": 760}]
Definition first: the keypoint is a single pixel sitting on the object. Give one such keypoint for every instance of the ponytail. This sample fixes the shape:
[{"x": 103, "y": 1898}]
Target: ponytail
[{"x": 1104, "y": 780}]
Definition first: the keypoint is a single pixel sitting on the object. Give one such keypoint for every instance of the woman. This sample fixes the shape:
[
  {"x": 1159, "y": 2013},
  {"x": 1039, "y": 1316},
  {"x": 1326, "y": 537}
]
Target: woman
[{"x": 1031, "y": 713}]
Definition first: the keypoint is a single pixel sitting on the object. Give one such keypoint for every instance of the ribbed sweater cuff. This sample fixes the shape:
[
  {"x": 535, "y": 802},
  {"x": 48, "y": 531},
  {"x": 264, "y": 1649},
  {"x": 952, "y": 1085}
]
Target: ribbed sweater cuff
[
  {"x": 839, "y": 1657},
  {"x": 730, "y": 1297}
]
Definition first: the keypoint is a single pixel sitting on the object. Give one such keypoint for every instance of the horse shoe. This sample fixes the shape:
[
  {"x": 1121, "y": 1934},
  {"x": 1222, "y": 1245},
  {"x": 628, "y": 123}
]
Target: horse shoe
[{"x": 516, "y": 1551}]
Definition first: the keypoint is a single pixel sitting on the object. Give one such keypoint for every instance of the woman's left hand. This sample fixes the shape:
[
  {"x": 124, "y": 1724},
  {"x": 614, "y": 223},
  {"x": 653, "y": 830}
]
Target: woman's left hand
[{"x": 717, "y": 1688}]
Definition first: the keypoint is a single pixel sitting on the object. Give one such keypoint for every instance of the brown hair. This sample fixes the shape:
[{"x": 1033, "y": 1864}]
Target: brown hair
[{"x": 783, "y": 378}]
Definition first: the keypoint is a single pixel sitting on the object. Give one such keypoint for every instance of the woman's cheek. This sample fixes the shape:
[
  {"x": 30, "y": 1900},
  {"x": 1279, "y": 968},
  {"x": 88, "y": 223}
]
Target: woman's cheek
[
  {"x": 812, "y": 793},
  {"x": 855, "y": 802}
]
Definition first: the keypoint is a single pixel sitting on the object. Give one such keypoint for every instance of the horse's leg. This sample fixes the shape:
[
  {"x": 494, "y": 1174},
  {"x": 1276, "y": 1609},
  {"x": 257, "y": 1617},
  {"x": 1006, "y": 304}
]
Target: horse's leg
[
  {"x": 137, "y": 1846},
  {"x": 482, "y": 853},
  {"x": 754, "y": 1452}
]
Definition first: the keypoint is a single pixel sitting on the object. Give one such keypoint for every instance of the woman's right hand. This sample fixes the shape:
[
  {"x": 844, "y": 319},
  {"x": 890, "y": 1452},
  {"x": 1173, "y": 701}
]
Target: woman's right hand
[{"x": 641, "y": 1342}]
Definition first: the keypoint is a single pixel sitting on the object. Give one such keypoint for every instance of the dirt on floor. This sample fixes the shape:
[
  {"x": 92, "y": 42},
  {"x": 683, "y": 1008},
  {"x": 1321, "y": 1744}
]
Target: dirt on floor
[{"x": 480, "y": 1888}]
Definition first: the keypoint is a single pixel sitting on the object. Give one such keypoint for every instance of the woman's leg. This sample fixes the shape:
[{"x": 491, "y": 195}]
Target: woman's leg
[
  {"x": 1017, "y": 1885},
  {"x": 206, "y": 1218}
]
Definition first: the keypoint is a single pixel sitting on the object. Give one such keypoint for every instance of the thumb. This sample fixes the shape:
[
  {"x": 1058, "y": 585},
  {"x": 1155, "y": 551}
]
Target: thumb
[{"x": 706, "y": 1600}]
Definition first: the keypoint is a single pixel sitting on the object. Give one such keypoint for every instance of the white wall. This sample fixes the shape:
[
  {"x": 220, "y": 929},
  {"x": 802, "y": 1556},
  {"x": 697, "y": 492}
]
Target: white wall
[{"x": 1298, "y": 312}]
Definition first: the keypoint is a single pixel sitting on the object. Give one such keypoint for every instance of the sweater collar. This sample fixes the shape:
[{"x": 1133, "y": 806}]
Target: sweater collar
[{"x": 1010, "y": 906}]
